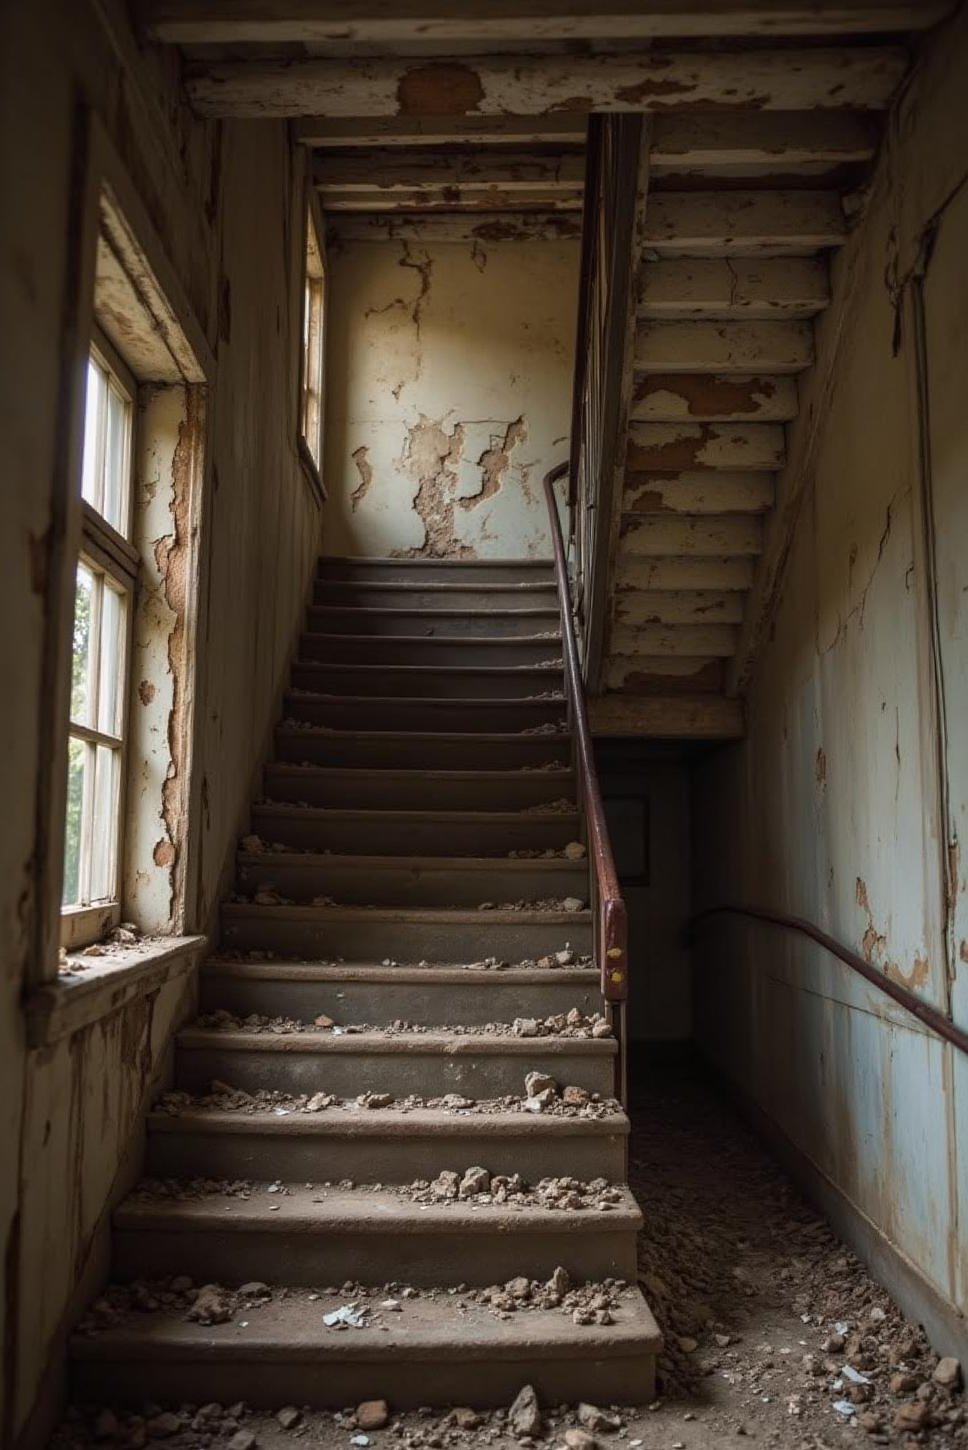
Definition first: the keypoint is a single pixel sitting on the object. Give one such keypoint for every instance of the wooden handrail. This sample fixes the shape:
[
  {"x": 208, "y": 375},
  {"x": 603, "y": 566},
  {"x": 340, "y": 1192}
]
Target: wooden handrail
[
  {"x": 923, "y": 1011},
  {"x": 611, "y": 924}
]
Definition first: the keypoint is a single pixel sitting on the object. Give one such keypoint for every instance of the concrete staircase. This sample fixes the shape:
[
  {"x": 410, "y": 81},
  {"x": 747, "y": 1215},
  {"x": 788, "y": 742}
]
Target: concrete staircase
[{"x": 407, "y": 918}]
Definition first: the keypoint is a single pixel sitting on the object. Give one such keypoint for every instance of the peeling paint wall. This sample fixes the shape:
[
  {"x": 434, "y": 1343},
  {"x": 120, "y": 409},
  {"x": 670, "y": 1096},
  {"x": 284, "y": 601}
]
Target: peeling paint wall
[
  {"x": 226, "y": 203},
  {"x": 839, "y": 805},
  {"x": 449, "y": 368}
]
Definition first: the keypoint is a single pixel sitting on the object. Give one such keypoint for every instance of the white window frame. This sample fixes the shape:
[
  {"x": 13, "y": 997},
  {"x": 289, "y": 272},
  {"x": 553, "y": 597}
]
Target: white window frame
[
  {"x": 113, "y": 561},
  {"x": 312, "y": 348}
]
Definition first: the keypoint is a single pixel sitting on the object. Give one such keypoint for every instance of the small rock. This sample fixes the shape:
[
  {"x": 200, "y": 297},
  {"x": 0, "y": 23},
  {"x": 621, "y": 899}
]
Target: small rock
[
  {"x": 573, "y": 903},
  {"x": 525, "y": 1027},
  {"x": 465, "y": 1418},
  {"x": 372, "y": 1414},
  {"x": 160, "y": 1427},
  {"x": 592, "y": 1418},
  {"x": 913, "y": 1415},
  {"x": 574, "y": 851},
  {"x": 254, "y": 1289},
  {"x": 947, "y": 1373},
  {"x": 560, "y": 1282},
  {"x": 212, "y": 1305},
  {"x": 870, "y": 1421},
  {"x": 539, "y": 1082},
  {"x": 519, "y": 1288},
  {"x": 575, "y": 1097},
  {"x": 289, "y": 1417},
  {"x": 537, "y": 1102},
  {"x": 524, "y": 1416},
  {"x": 323, "y": 1021},
  {"x": 579, "y": 1439},
  {"x": 474, "y": 1181},
  {"x": 687, "y": 1344},
  {"x": 902, "y": 1383},
  {"x": 242, "y": 1440}
]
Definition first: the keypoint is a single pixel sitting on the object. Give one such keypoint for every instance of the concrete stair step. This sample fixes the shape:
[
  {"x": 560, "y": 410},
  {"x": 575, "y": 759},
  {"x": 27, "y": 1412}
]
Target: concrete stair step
[
  {"x": 438, "y": 571},
  {"x": 389, "y": 749},
  {"x": 427, "y": 682},
  {"x": 440, "y": 649},
  {"x": 383, "y": 833},
  {"x": 428, "y": 1064},
  {"x": 422, "y": 934},
  {"x": 458, "y": 623},
  {"x": 432, "y": 1352},
  {"x": 371, "y": 712},
  {"x": 379, "y": 1145},
  {"x": 368, "y": 594},
  {"x": 326, "y": 1236},
  {"x": 477, "y": 790},
  {"x": 411, "y": 880},
  {"x": 365, "y": 992}
]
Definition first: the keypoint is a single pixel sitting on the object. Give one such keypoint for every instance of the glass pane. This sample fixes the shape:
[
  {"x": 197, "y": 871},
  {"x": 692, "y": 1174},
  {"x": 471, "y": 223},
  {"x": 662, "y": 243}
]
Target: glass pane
[
  {"x": 82, "y": 686},
  {"x": 77, "y": 755},
  {"x": 111, "y": 687},
  {"x": 105, "y": 833},
  {"x": 114, "y": 505},
  {"x": 91, "y": 469}
]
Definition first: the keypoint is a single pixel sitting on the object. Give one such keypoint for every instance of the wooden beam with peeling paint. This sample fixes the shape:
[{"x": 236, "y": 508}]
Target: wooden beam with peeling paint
[
  {"x": 485, "y": 228},
  {"x": 713, "y": 398},
  {"x": 454, "y": 199},
  {"x": 740, "y": 287},
  {"x": 374, "y": 171},
  {"x": 724, "y": 347},
  {"x": 724, "y": 223},
  {"x": 696, "y": 606},
  {"x": 682, "y": 717},
  {"x": 711, "y": 492},
  {"x": 399, "y": 132},
  {"x": 723, "y": 446},
  {"x": 408, "y": 22},
  {"x": 665, "y": 535},
  {"x": 665, "y": 674},
  {"x": 861, "y": 78},
  {"x": 637, "y": 572},
  {"x": 782, "y": 140}
]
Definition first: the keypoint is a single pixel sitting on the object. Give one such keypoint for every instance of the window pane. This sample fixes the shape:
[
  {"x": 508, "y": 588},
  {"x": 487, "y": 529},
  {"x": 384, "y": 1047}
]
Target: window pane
[
  {"x": 114, "y": 505},
  {"x": 105, "y": 826},
  {"x": 110, "y": 691},
  {"x": 91, "y": 470},
  {"x": 77, "y": 754},
  {"x": 82, "y": 691}
]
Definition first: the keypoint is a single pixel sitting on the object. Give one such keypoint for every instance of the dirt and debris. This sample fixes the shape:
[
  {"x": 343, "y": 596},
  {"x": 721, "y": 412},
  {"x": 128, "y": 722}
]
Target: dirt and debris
[
  {"x": 571, "y": 1102},
  {"x": 573, "y": 1023},
  {"x": 125, "y": 940}
]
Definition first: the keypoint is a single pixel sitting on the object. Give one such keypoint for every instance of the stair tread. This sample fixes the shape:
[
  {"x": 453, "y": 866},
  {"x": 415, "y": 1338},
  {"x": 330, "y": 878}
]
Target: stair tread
[
  {"x": 413, "y": 609},
  {"x": 375, "y": 814},
  {"x": 445, "y": 973},
  {"x": 468, "y": 641},
  {"x": 485, "y": 671},
  {"x": 364, "y": 1211},
  {"x": 404, "y": 915},
  {"x": 411, "y": 1044},
  {"x": 434, "y": 701},
  {"x": 427, "y": 1328},
  {"x": 441, "y": 586},
  {"x": 431, "y": 737},
  {"x": 358, "y": 1122},
  {"x": 407, "y": 773},
  {"x": 411, "y": 863},
  {"x": 396, "y": 562}
]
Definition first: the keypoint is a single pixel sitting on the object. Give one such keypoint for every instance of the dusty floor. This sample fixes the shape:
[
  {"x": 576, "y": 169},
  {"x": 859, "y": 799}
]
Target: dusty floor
[{"x": 775, "y": 1334}]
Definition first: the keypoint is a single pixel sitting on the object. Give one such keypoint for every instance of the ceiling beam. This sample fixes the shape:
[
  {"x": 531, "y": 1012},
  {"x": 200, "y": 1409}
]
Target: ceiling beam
[
  {"x": 781, "y": 139},
  {"x": 637, "y": 574},
  {"x": 386, "y": 22},
  {"x": 724, "y": 347},
  {"x": 721, "y": 223},
  {"x": 861, "y": 78},
  {"x": 689, "y": 446},
  {"x": 709, "y": 492},
  {"x": 351, "y": 132},
  {"x": 710, "y": 398},
  {"x": 367, "y": 171},
  {"x": 484, "y": 228},
  {"x": 752, "y": 288},
  {"x": 684, "y": 606},
  {"x": 713, "y": 536},
  {"x": 453, "y": 198}
]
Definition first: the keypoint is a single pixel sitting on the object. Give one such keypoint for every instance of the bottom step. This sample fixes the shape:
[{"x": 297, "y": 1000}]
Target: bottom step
[{"x": 431, "y": 1352}]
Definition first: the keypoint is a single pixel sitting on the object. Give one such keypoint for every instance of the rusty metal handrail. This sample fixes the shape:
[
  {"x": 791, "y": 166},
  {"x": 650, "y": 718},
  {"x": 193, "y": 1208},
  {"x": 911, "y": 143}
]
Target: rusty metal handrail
[
  {"x": 925, "y": 1013},
  {"x": 611, "y": 955}
]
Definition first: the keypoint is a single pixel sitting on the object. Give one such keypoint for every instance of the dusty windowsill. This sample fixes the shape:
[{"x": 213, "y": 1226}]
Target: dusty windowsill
[{"x": 76, "y": 1000}]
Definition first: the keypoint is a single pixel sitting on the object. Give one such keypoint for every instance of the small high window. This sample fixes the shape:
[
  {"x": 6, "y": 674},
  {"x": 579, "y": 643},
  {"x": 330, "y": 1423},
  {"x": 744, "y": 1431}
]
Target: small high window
[
  {"x": 311, "y": 394},
  {"x": 103, "y": 600}
]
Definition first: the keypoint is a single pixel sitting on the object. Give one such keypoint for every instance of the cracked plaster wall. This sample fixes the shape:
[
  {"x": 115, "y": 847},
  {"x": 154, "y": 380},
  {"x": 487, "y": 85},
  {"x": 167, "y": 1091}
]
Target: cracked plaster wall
[
  {"x": 833, "y": 808},
  {"x": 226, "y": 203},
  {"x": 449, "y": 370}
]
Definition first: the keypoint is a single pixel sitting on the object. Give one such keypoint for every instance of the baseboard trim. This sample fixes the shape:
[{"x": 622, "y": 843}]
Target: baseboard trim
[{"x": 942, "y": 1321}]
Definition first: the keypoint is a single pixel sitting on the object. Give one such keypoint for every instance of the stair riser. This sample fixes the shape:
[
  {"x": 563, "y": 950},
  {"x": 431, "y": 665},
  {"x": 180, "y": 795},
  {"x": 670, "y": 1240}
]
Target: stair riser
[
  {"x": 267, "y": 929},
  {"x": 474, "y": 717},
  {"x": 374, "y": 651},
  {"x": 405, "y": 1382},
  {"x": 347, "y": 1074},
  {"x": 436, "y": 571},
  {"x": 462, "y": 684},
  {"x": 475, "y": 836},
  {"x": 491, "y": 1000},
  {"x": 438, "y": 752},
  {"x": 399, "y": 1157},
  {"x": 384, "y": 624},
  {"x": 386, "y": 791},
  {"x": 358, "y": 595},
  {"x": 302, "y": 1256},
  {"x": 359, "y": 886}
]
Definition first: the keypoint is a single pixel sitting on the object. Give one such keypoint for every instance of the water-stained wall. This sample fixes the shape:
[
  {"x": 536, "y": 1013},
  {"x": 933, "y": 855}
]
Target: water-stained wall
[
  {"x": 225, "y": 204},
  {"x": 847, "y": 803},
  {"x": 449, "y": 368}
]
